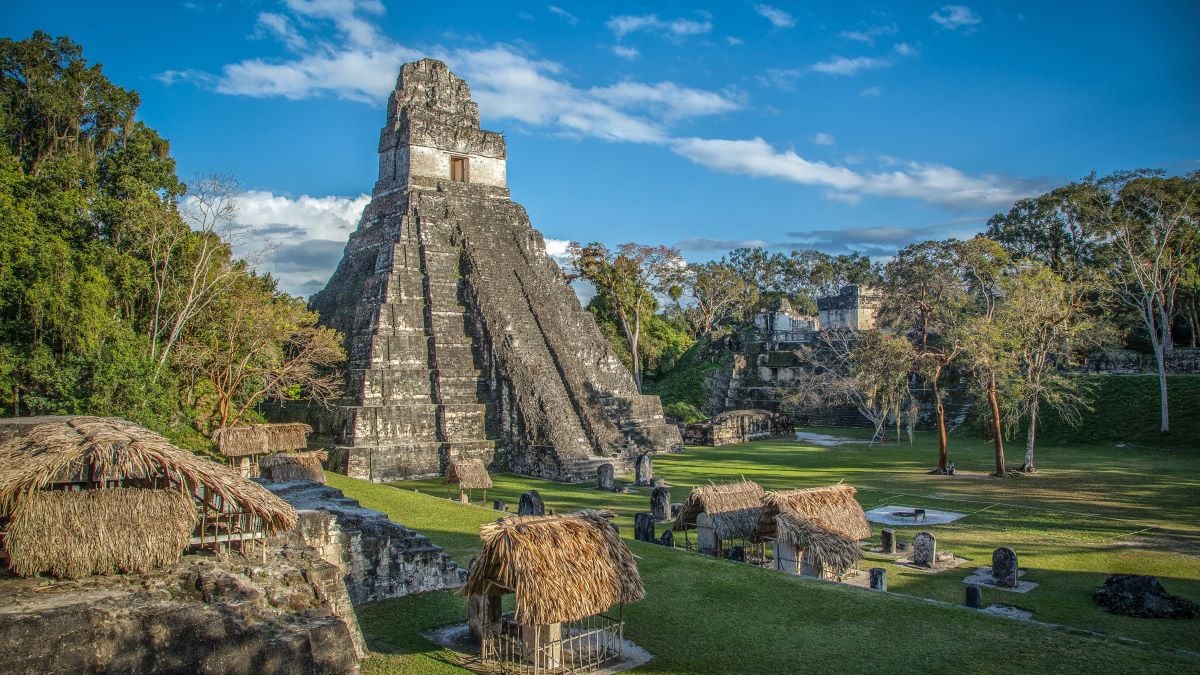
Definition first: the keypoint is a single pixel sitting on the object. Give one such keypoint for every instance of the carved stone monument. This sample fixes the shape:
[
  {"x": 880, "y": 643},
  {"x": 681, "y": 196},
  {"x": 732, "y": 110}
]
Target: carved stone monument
[
  {"x": 924, "y": 549},
  {"x": 531, "y": 504},
  {"x": 887, "y": 540},
  {"x": 1004, "y": 567},
  {"x": 660, "y": 503},
  {"x": 643, "y": 469},
  {"x": 643, "y": 527},
  {"x": 604, "y": 477}
]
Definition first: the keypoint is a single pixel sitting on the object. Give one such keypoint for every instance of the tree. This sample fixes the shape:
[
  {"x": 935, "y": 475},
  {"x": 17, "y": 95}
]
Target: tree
[
  {"x": 1153, "y": 237},
  {"x": 1047, "y": 319},
  {"x": 628, "y": 280},
  {"x": 988, "y": 348},
  {"x": 717, "y": 292},
  {"x": 925, "y": 300},
  {"x": 867, "y": 370},
  {"x": 258, "y": 343}
]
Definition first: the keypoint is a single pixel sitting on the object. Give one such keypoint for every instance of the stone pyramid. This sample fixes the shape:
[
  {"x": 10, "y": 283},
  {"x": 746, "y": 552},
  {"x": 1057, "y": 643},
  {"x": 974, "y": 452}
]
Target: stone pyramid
[{"x": 464, "y": 339}]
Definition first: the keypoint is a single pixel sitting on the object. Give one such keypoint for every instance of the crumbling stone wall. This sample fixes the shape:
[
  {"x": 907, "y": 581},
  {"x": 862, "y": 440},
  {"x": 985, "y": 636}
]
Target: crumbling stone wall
[
  {"x": 379, "y": 559},
  {"x": 464, "y": 340}
]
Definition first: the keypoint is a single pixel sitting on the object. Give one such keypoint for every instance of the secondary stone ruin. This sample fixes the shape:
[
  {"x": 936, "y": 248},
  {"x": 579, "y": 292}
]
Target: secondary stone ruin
[{"x": 464, "y": 338}]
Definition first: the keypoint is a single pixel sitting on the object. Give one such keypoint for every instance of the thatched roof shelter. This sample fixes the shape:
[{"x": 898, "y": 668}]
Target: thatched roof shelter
[
  {"x": 72, "y": 534},
  {"x": 289, "y": 466},
  {"x": 261, "y": 439},
  {"x": 96, "y": 452},
  {"x": 561, "y": 568},
  {"x": 470, "y": 474},
  {"x": 832, "y": 508},
  {"x": 835, "y": 553},
  {"x": 733, "y": 507}
]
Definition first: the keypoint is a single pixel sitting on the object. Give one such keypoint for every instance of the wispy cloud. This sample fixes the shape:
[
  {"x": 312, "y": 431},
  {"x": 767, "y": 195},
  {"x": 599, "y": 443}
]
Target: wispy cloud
[
  {"x": 280, "y": 26},
  {"x": 733, "y": 41},
  {"x": 883, "y": 240},
  {"x": 701, "y": 244},
  {"x": 841, "y": 66},
  {"x": 564, "y": 14},
  {"x": 777, "y": 17},
  {"x": 867, "y": 35},
  {"x": 904, "y": 49},
  {"x": 956, "y": 17},
  {"x": 871, "y": 92},
  {"x": 667, "y": 99},
  {"x": 822, "y": 138},
  {"x": 626, "y": 52},
  {"x": 650, "y": 23},
  {"x": 932, "y": 183}
]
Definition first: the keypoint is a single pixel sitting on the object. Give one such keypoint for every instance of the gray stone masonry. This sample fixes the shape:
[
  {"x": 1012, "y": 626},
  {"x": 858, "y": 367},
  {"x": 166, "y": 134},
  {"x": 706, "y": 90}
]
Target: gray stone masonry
[
  {"x": 379, "y": 559},
  {"x": 924, "y": 550},
  {"x": 464, "y": 339},
  {"x": 1004, "y": 567}
]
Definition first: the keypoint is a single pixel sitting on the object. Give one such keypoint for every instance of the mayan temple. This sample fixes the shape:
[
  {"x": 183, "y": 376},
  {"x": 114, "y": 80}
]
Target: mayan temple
[{"x": 464, "y": 339}]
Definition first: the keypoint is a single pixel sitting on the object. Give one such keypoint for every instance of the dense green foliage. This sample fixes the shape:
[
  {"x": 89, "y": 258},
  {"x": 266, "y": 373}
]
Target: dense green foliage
[
  {"x": 113, "y": 275},
  {"x": 1071, "y": 524},
  {"x": 685, "y": 383}
]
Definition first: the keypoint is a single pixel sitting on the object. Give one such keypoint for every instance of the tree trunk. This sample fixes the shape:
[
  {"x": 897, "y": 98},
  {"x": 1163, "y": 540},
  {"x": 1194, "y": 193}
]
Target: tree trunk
[
  {"x": 1028, "y": 466},
  {"x": 997, "y": 432},
  {"x": 943, "y": 450}
]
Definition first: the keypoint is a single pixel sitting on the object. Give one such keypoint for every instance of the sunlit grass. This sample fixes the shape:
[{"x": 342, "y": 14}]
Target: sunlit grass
[{"x": 1070, "y": 524}]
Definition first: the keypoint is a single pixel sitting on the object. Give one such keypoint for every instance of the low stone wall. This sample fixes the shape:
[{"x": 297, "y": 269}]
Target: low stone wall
[{"x": 379, "y": 559}]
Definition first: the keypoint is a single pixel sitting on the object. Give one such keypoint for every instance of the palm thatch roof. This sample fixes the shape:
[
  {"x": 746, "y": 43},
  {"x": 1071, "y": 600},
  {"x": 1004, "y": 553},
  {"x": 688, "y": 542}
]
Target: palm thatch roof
[
  {"x": 96, "y": 450},
  {"x": 562, "y": 568},
  {"x": 470, "y": 474},
  {"x": 836, "y": 553},
  {"x": 832, "y": 508},
  {"x": 76, "y": 534},
  {"x": 260, "y": 439},
  {"x": 733, "y": 507},
  {"x": 289, "y": 466}
]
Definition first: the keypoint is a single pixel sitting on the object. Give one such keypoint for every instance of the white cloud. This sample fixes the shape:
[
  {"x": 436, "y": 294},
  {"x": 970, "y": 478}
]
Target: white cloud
[
  {"x": 667, "y": 99},
  {"x": 932, "y": 183},
  {"x": 822, "y": 138},
  {"x": 300, "y": 239},
  {"x": 650, "y": 23},
  {"x": 733, "y": 41},
  {"x": 841, "y": 66},
  {"x": 278, "y": 25},
  {"x": 955, "y": 17},
  {"x": 904, "y": 49},
  {"x": 871, "y": 92},
  {"x": 566, "y": 16},
  {"x": 867, "y": 35},
  {"x": 626, "y": 52},
  {"x": 777, "y": 17}
]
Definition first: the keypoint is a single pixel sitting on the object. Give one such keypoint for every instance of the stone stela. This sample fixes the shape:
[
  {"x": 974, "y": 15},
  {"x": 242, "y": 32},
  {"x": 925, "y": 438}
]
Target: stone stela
[{"x": 463, "y": 338}]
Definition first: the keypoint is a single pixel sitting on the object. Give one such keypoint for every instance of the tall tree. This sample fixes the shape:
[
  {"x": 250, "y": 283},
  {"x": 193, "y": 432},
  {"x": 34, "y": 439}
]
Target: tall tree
[
  {"x": 988, "y": 349},
  {"x": 925, "y": 299},
  {"x": 1151, "y": 224},
  {"x": 716, "y": 292},
  {"x": 1047, "y": 320},
  {"x": 628, "y": 278}
]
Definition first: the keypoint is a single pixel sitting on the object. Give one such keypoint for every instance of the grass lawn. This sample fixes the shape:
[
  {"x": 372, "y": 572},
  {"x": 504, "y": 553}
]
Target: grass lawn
[{"x": 1089, "y": 512}]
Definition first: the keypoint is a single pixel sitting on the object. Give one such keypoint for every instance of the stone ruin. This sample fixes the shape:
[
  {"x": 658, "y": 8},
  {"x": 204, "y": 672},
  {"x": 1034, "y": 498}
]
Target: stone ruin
[{"x": 464, "y": 339}]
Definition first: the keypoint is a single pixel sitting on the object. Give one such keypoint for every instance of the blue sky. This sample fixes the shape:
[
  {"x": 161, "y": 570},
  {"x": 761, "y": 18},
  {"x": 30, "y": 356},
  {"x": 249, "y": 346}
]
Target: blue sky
[{"x": 838, "y": 126}]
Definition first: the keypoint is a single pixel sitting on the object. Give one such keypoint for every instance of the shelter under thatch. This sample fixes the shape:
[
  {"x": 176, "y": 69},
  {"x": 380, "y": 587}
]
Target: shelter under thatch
[
  {"x": 80, "y": 454},
  {"x": 816, "y": 530},
  {"x": 720, "y": 513},
  {"x": 289, "y": 466},
  {"x": 561, "y": 568},
  {"x": 831, "y": 508},
  {"x": 80, "y": 533},
  {"x": 244, "y": 445},
  {"x": 469, "y": 474}
]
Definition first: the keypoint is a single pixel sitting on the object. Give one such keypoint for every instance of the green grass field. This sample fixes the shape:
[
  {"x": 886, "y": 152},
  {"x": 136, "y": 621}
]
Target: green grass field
[{"x": 1090, "y": 511}]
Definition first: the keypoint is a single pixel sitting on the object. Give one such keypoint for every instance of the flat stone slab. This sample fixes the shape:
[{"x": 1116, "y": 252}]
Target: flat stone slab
[
  {"x": 983, "y": 577},
  {"x": 1008, "y": 611},
  {"x": 885, "y": 515},
  {"x": 457, "y": 638},
  {"x": 939, "y": 567}
]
